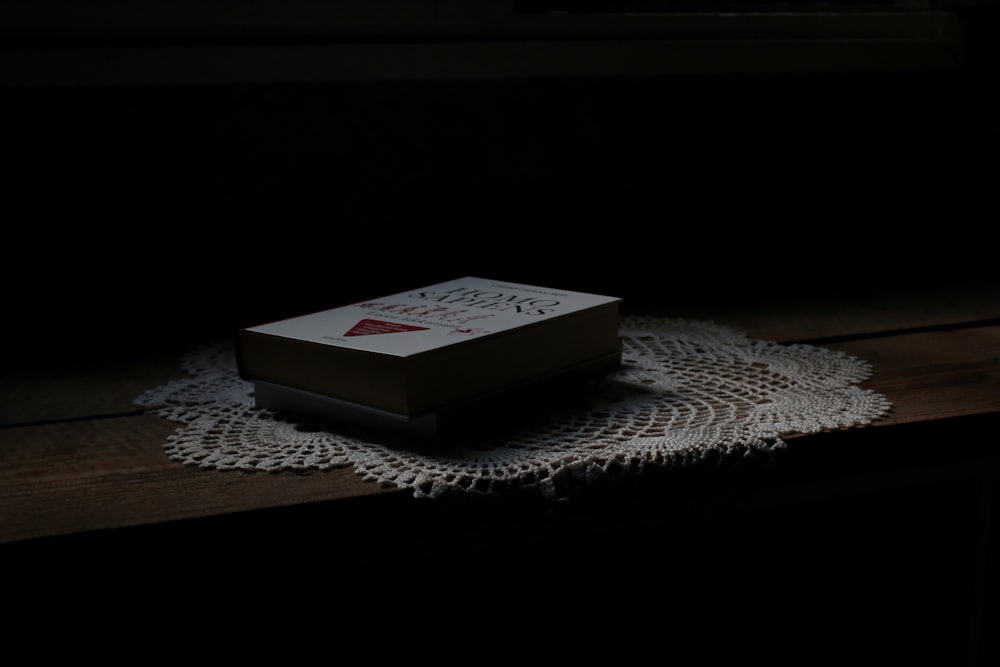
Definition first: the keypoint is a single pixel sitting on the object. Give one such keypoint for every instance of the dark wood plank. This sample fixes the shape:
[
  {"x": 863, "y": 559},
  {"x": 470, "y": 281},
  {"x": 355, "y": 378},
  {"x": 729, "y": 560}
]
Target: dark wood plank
[
  {"x": 109, "y": 473},
  {"x": 934, "y": 375},
  {"x": 906, "y": 490},
  {"x": 77, "y": 455},
  {"x": 82, "y": 389},
  {"x": 791, "y": 316},
  {"x": 105, "y": 473}
]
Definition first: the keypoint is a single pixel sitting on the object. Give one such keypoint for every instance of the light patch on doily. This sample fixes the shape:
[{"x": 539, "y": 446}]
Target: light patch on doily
[{"x": 686, "y": 390}]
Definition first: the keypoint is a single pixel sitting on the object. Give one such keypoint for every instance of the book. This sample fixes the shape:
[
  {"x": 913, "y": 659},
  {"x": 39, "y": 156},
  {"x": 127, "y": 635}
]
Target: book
[
  {"x": 411, "y": 361},
  {"x": 483, "y": 416}
]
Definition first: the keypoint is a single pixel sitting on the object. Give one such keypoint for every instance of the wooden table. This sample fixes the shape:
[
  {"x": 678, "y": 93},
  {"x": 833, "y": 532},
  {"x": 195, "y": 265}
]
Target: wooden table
[{"x": 895, "y": 520}]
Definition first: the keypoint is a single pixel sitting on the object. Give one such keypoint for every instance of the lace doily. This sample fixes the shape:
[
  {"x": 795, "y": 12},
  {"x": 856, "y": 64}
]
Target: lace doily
[{"x": 686, "y": 391}]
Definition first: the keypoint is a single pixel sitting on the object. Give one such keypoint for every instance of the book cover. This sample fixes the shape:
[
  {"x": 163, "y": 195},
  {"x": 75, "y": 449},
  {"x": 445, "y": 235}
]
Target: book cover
[{"x": 419, "y": 350}]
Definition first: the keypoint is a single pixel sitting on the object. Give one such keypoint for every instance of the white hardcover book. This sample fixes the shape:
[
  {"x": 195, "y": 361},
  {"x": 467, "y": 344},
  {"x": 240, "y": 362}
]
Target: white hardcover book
[{"x": 425, "y": 349}]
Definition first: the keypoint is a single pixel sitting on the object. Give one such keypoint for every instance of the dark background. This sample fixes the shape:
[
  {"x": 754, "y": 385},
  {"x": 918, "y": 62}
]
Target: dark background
[
  {"x": 140, "y": 216},
  {"x": 144, "y": 213}
]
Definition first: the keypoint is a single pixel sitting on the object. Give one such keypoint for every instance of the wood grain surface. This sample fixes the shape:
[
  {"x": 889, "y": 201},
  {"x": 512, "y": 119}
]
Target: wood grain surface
[{"x": 77, "y": 454}]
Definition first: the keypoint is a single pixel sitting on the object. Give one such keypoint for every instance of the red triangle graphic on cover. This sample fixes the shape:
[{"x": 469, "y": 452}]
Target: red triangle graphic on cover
[{"x": 371, "y": 327}]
